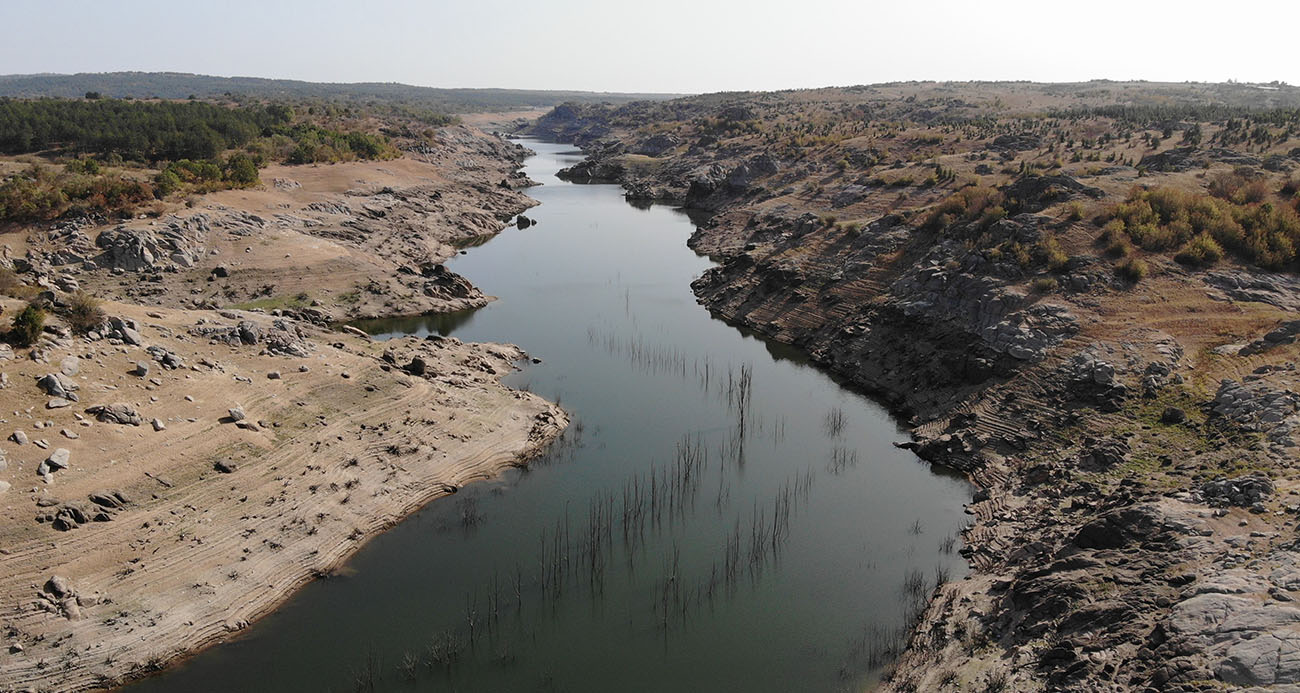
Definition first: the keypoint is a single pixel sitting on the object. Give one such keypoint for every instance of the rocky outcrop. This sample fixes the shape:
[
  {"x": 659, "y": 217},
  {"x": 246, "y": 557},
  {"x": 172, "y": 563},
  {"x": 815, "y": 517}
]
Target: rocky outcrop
[
  {"x": 1187, "y": 158},
  {"x": 656, "y": 145},
  {"x": 178, "y": 242},
  {"x": 1243, "y": 642},
  {"x": 1035, "y": 193},
  {"x": 118, "y": 413},
  {"x": 282, "y": 337},
  {"x": 1280, "y": 290}
]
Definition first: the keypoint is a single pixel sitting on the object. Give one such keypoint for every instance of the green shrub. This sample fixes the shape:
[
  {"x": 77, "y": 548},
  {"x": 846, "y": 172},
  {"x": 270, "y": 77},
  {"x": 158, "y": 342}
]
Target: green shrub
[
  {"x": 1259, "y": 232},
  {"x": 1043, "y": 285},
  {"x": 27, "y": 326},
  {"x": 992, "y": 215},
  {"x": 167, "y": 182},
  {"x": 85, "y": 166},
  {"x": 967, "y": 204},
  {"x": 1201, "y": 251},
  {"x": 1021, "y": 255},
  {"x": 1119, "y": 248},
  {"x": 1133, "y": 269},
  {"x": 1049, "y": 251},
  {"x": 84, "y": 313},
  {"x": 1291, "y": 188},
  {"x": 241, "y": 171}
]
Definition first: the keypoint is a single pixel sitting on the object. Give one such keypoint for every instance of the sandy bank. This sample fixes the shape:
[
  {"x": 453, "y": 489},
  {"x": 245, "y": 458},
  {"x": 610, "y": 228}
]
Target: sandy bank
[{"x": 343, "y": 443}]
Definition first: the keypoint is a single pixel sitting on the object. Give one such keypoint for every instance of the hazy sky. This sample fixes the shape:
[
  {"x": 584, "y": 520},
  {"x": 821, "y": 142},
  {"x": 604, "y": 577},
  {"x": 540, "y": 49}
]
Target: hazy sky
[{"x": 663, "y": 45}]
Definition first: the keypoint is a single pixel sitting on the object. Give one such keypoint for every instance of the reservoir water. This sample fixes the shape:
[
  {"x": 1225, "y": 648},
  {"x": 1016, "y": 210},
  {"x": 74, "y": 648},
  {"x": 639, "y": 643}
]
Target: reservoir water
[{"x": 720, "y": 515}]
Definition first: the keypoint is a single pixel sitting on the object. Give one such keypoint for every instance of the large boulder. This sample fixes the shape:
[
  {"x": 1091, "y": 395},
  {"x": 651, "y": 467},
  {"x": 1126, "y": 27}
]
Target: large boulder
[
  {"x": 58, "y": 385},
  {"x": 1248, "y": 643}
]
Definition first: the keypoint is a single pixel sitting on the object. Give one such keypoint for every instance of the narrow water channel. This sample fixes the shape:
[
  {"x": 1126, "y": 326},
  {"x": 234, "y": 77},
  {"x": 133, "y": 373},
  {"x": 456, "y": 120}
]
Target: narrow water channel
[{"x": 719, "y": 517}]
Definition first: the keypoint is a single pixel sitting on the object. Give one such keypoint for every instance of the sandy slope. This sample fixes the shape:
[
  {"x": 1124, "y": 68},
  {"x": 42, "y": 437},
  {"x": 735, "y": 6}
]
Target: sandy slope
[{"x": 343, "y": 450}]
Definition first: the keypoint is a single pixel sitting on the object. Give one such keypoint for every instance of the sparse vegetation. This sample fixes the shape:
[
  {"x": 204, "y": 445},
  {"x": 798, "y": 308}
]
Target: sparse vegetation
[
  {"x": 191, "y": 142},
  {"x": 1043, "y": 285},
  {"x": 1201, "y": 251},
  {"x": 1134, "y": 269},
  {"x": 1051, "y": 254},
  {"x": 968, "y": 204},
  {"x": 84, "y": 312}
]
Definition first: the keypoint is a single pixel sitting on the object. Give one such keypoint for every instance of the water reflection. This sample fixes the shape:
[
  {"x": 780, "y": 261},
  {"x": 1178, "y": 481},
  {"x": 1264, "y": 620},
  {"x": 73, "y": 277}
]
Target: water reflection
[{"x": 719, "y": 516}]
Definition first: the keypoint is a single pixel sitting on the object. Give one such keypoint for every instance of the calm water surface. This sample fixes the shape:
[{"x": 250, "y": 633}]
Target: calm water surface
[{"x": 720, "y": 515}]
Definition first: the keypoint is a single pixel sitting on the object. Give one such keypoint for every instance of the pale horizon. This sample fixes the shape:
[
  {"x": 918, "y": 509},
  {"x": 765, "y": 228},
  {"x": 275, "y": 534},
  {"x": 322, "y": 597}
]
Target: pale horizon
[{"x": 675, "y": 47}]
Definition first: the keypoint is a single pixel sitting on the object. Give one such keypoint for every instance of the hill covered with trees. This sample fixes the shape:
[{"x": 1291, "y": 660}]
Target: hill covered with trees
[
  {"x": 176, "y": 85},
  {"x": 116, "y": 154}
]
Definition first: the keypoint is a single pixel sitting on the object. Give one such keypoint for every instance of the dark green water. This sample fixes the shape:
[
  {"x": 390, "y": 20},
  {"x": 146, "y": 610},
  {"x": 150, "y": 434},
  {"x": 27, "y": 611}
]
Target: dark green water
[{"x": 781, "y": 548}]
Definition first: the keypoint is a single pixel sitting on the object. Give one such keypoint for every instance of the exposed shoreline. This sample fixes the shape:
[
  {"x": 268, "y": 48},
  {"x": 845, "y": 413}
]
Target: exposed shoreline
[{"x": 213, "y": 522}]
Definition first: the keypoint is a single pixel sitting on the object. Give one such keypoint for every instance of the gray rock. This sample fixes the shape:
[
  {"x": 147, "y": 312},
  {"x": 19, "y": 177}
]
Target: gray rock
[
  {"x": 1280, "y": 290},
  {"x": 125, "y": 330},
  {"x": 58, "y": 459},
  {"x": 57, "y": 403},
  {"x": 249, "y": 332},
  {"x": 1247, "y": 643},
  {"x": 168, "y": 359},
  {"x": 1242, "y": 491},
  {"x": 177, "y": 242},
  {"x": 57, "y": 385},
  {"x": 237, "y": 413},
  {"x": 158, "y": 425},
  {"x": 18, "y": 437},
  {"x": 58, "y": 586},
  {"x": 1103, "y": 373},
  {"x": 141, "y": 369},
  {"x": 118, "y": 412}
]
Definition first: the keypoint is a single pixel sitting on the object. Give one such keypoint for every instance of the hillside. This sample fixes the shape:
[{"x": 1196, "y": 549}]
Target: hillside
[{"x": 1082, "y": 296}]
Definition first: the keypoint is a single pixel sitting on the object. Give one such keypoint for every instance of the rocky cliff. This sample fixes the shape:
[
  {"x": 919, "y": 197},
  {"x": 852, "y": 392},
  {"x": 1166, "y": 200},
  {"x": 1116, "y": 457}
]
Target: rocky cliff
[{"x": 1128, "y": 425}]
